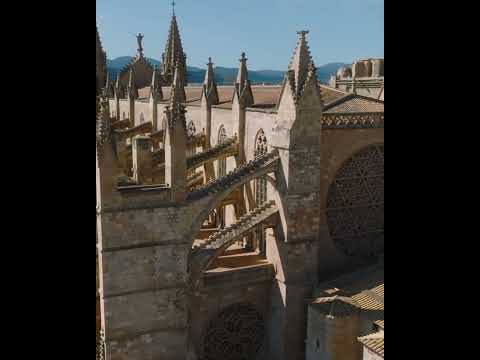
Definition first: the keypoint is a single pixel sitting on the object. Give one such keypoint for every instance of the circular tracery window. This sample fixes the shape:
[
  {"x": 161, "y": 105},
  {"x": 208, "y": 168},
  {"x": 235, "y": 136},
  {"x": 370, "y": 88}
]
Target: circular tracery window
[
  {"x": 355, "y": 205},
  {"x": 237, "y": 333}
]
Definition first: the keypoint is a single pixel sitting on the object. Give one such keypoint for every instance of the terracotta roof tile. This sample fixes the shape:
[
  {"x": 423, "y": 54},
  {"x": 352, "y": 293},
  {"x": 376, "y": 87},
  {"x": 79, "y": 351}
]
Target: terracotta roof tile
[
  {"x": 355, "y": 104},
  {"x": 330, "y": 94},
  {"x": 380, "y": 323},
  {"x": 367, "y": 302},
  {"x": 336, "y": 101},
  {"x": 374, "y": 342},
  {"x": 336, "y": 306}
]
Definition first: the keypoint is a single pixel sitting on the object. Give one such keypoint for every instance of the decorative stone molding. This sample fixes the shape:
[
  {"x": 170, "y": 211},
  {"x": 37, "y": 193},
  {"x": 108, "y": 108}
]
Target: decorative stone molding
[{"x": 353, "y": 121}]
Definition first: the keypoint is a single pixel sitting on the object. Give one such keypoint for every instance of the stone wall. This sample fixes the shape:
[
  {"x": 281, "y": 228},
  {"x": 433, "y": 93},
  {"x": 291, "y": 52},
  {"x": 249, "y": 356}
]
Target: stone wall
[
  {"x": 334, "y": 339},
  {"x": 219, "y": 291},
  {"x": 145, "y": 242},
  {"x": 338, "y": 146},
  {"x": 144, "y": 270}
]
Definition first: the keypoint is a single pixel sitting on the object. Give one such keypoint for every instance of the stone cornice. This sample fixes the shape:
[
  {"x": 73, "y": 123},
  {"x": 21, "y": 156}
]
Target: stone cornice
[{"x": 354, "y": 121}]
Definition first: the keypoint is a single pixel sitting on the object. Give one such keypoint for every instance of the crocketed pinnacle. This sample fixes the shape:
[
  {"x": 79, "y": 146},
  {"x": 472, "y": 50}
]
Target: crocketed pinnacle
[
  {"x": 301, "y": 65},
  {"x": 156, "y": 86},
  {"x": 173, "y": 50},
  {"x": 132, "y": 89},
  {"x": 175, "y": 111},
  {"x": 242, "y": 86},
  {"x": 210, "y": 86}
]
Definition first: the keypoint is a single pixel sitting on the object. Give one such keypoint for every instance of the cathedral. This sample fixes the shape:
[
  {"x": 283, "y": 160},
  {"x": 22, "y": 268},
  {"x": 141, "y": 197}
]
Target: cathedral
[{"x": 237, "y": 222}]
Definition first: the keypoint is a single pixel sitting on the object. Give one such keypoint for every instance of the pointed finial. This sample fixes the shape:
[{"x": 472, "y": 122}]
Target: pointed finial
[
  {"x": 140, "y": 37},
  {"x": 173, "y": 7}
]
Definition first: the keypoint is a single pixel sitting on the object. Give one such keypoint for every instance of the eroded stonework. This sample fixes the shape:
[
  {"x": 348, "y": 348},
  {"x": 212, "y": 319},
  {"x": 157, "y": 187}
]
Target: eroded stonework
[{"x": 221, "y": 208}]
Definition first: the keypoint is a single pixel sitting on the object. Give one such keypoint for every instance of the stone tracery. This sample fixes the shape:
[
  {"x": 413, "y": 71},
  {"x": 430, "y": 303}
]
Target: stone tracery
[
  {"x": 355, "y": 204},
  {"x": 166, "y": 213},
  {"x": 261, "y": 149},
  {"x": 237, "y": 333}
]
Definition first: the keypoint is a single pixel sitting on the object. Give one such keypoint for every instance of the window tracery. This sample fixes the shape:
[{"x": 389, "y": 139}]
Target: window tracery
[
  {"x": 261, "y": 149},
  {"x": 237, "y": 333},
  {"x": 355, "y": 204}
]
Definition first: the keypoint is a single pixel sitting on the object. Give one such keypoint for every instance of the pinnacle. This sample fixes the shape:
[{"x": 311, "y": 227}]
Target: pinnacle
[
  {"x": 209, "y": 84},
  {"x": 301, "y": 64},
  {"x": 242, "y": 73},
  {"x": 173, "y": 49}
]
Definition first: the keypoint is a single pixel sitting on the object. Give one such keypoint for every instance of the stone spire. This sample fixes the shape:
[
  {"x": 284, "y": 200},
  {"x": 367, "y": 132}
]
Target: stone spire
[
  {"x": 108, "y": 88},
  {"x": 210, "y": 90},
  {"x": 132, "y": 89},
  {"x": 301, "y": 66},
  {"x": 173, "y": 51},
  {"x": 156, "y": 87},
  {"x": 243, "y": 90},
  {"x": 176, "y": 139},
  {"x": 119, "y": 88},
  {"x": 178, "y": 85},
  {"x": 242, "y": 76}
]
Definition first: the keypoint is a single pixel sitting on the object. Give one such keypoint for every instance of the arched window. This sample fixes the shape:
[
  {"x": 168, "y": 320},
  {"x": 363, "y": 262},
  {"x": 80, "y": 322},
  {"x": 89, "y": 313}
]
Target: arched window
[
  {"x": 191, "y": 148},
  {"x": 124, "y": 116},
  {"x": 222, "y": 164},
  {"x": 142, "y": 118},
  {"x": 238, "y": 332},
  {"x": 261, "y": 149},
  {"x": 355, "y": 204}
]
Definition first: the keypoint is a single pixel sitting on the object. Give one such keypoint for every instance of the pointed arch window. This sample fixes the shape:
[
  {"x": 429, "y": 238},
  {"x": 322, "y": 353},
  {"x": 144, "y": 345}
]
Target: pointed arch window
[
  {"x": 191, "y": 148},
  {"x": 261, "y": 149},
  {"x": 222, "y": 164}
]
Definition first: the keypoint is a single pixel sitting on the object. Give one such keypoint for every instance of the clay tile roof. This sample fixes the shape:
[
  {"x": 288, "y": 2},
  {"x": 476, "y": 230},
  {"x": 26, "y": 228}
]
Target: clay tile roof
[
  {"x": 355, "y": 104},
  {"x": 336, "y": 101},
  {"x": 266, "y": 95},
  {"x": 379, "y": 290},
  {"x": 193, "y": 93},
  {"x": 225, "y": 96},
  {"x": 355, "y": 282},
  {"x": 367, "y": 302},
  {"x": 380, "y": 323},
  {"x": 336, "y": 306},
  {"x": 330, "y": 94},
  {"x": 374, "y": 342}
]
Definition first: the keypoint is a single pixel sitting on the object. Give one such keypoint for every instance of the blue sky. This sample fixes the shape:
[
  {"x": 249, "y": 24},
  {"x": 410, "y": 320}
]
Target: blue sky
[{"x": 340, "y": 30}]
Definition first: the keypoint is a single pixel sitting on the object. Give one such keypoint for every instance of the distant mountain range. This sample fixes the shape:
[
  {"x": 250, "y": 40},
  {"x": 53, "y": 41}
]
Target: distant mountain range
[{"x": 225, "y": 75}]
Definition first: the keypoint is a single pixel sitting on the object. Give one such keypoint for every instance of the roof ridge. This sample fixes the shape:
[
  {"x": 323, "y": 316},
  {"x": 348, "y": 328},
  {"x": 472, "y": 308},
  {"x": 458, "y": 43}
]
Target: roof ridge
[{"x": 339, "y": 101}]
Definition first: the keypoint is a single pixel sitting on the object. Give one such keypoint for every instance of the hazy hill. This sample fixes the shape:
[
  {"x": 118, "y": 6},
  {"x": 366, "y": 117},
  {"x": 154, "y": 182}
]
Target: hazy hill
[{"x": 225, "y": 75}]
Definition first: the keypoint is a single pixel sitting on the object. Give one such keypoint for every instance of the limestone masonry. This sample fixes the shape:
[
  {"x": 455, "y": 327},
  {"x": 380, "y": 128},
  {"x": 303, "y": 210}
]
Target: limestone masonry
[{"x": 238, "y": 222}]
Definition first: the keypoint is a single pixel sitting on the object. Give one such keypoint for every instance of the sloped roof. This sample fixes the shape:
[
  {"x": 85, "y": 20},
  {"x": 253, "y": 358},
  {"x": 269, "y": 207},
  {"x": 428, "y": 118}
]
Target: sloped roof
[
  {"x": 336, "y": 306},
  {"x": 329, "y": 94},
  {"x": 354, "y": 282},
  {"x": 336, "y": 101},
  {"x": 363, "y": 289},
  {"x": 374, "y": 342},
  {"x": 380, "y": 323},
  {"x": 355, "y": 104}
]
